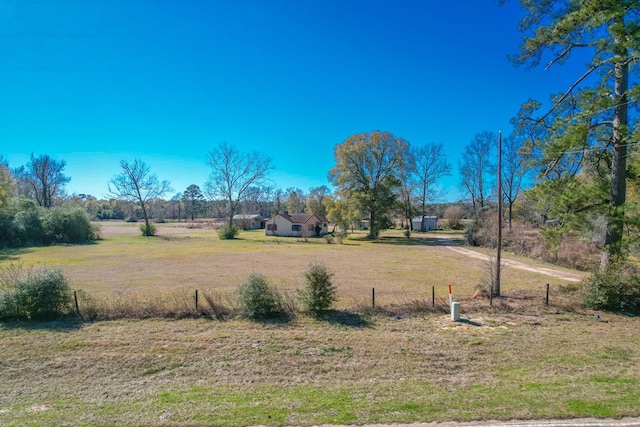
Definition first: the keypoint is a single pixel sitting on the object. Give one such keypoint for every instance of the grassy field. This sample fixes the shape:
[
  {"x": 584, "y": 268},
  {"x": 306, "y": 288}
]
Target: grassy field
[
  {"x": 518, "y": 359},
  {"x": 185, "y": 259}
]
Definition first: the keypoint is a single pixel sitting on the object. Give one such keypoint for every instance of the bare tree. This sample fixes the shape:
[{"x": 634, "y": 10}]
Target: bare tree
[
  {"x": 278, "y": 201},
  {"x": 514, "y": 169},
  {"x": 476, "y": 170},
  {"x": 234, "y": 173},
  {"x": 428, "y": 165},
  {"x": 406, "y": 202},
  {"x": 137, "y": 184},
  {"x": 259, "y": 201},
  {"x": 42, "y": 179},
  {"x": 454, "y": 215}
]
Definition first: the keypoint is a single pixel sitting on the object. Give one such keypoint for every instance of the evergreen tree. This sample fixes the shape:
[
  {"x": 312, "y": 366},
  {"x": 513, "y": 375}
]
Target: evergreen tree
[{"x": 582, "y": 140}]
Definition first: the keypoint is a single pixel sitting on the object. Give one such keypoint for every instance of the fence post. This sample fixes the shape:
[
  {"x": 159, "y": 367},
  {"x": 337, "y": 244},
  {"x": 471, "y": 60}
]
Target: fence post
[
  {"x": 546, "y": 301},
  {"x": 433, "y": 296},
  {"x": 75, "y": 297},
  {"x": 373, "y": 297},
  {"x": 196, "y": 300}
]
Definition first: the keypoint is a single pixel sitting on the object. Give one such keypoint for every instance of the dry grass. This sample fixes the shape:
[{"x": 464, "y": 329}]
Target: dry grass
[
  {"x": 183, "y": 259},
  {"x": 574, "y": 251},
  {"x": 402, "y": 361},
  {"x": 345, "y": 369}
]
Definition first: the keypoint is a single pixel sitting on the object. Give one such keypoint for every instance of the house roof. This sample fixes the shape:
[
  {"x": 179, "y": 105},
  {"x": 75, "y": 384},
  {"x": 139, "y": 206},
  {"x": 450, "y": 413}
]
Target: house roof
[{"x": 302, "y": 218}]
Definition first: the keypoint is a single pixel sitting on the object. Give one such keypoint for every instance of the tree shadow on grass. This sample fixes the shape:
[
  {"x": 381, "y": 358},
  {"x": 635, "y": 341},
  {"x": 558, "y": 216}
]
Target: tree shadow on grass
[
  {"x": 276, "y": 320},
  {"x": 345, "y": 318},
  {"x": 65, "y": 324},
  {"x": 12, "y": 254}
]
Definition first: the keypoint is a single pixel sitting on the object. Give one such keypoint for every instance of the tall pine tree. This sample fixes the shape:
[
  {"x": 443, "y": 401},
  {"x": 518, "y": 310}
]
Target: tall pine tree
[{"x": 583, "y": 138}]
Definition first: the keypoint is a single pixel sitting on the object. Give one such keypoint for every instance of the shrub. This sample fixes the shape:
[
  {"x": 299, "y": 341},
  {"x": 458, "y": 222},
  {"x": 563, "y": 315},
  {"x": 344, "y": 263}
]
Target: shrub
[
  {"x": 27, "y": 227},
  {"x": 40, "y": 294},
  {"x": 67, "y": 224},
  {"x": 258, "y": 300},
  {"x": 470, "y": 234},
  {"x": 148, "y": 230},
  {"x": 227, "y": 232},
  {"x": 487, "y": 283},
  {"x": 482, "y": 233},
  {"x": 454, "y": 214},
  {"x": 319, "y": 293},
  {"x": 23, "y": 223},
  {"x": 616, "y": 288}
]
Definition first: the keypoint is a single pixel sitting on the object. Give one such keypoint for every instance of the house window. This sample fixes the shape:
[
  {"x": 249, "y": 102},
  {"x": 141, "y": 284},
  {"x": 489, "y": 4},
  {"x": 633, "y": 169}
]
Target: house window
[
  {"x": 272, "y": 227},
  {"x": 296, "y": 227},
  {"x": 311, "y": 227}
]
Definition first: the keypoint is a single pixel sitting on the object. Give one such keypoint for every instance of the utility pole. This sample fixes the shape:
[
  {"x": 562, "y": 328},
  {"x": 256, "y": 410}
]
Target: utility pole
[{"x": 499, "y": 249}]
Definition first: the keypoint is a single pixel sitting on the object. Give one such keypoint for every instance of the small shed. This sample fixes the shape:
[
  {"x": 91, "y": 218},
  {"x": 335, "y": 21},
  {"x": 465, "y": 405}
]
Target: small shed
[{"x": 424, "y": 223}]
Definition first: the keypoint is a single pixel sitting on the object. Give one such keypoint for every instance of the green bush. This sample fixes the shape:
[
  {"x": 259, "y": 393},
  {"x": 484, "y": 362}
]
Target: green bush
[
  {"x": 227, "y": 232},
  {"x": 148, "y": 230},
  {"x": 27, "y": 227},
  {"x": 471, "y": 234},
  {"x": 319, "y": 293},
  {"x": 22, "y": 223},
  {"x": 36, "y": 294},
  {"x": 258, "y": 300},
  {"x": 617, "y": 288},
  {"x": 67, "y": 224}
]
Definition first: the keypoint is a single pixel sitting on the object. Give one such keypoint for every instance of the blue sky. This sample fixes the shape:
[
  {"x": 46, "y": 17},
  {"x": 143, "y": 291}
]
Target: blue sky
[{"x": 93, "y": 82}]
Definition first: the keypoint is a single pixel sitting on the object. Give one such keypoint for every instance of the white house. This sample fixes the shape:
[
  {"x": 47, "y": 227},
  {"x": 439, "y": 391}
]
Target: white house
[
  {"x": 249, "y": 222},
  {"x": 430, "y": 223},
  {"x": 296, "y": 225}
]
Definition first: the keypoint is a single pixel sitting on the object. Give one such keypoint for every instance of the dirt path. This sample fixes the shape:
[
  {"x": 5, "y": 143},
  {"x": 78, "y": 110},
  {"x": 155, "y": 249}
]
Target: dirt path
[{"x": 552, "y": 272}]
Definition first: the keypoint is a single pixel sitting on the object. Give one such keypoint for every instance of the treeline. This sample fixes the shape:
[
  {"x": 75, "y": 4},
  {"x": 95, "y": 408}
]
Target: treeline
[
  {"x": 35, "y": 209},
  {"x": 271, "y": 202}
]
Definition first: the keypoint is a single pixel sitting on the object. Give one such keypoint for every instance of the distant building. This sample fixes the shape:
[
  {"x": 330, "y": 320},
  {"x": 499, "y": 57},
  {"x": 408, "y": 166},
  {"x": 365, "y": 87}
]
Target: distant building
[
  {"x": 296, "y": 225},
  {"x": 249, "y": 222},
  {"x": 430, "y": 223}
]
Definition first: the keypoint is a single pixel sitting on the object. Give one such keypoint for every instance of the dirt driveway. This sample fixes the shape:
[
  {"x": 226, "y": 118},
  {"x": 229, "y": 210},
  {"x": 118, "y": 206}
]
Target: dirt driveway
[{"x": 569, "y": 276}]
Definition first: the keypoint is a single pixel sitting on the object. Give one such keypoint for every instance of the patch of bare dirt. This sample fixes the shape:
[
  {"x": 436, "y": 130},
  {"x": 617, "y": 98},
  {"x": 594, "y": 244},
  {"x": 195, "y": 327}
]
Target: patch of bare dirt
[
  {"x": 564, "y": 275},
  {"x": 547, "y": 271}
]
